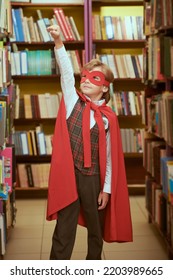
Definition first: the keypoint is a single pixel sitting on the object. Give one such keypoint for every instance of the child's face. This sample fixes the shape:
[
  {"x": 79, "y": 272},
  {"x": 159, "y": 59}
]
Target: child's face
[{"x": 93, "y": 83}]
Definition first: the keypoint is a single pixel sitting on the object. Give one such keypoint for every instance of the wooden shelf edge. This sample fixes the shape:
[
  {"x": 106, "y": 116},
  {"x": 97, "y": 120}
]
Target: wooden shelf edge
[
  {"x": 17, "y": 4},
  {"x": 119, "y": 3}
]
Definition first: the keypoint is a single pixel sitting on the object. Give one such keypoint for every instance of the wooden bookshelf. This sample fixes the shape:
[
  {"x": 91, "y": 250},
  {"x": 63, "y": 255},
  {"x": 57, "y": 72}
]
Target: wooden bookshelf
[
  {"x": 133, "y": 162},
  {"x": 50, "y": 83},
  {"x": 7, "y": 155},
  {"x": 40, "y": 84},
  {"x": 158, "y": 140}
]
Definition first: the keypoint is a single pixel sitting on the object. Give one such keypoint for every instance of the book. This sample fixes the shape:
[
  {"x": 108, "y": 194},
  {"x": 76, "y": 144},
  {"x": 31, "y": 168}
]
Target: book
[
  {"x": 15, "y": 28},
  {"x": 43, "y": 23},
  {"x": 43, "y": 30},
  {"x": 22, "y": 176},
  {"x": 24, "y": 62},
  {"x": 41, "y": 143},
  {"x": 2, "y": 122},
  {"x": 31, "y": 28},
  {"x": 109, "y": 27},
  {"x": 19, "y": 25},
  {"x": 164, "y": 173},
  {"x": 24, "y": 142},
  {"x": 27, "y": 106},
  {"x": 7, "y": 155},
  {"x": 2, "y": 234},
  {"x": 74, "y": 28},
  {"x": 29, "y": 175},
  {"x": 170, "y": 181},
  {"x": 61, "y": 19}
]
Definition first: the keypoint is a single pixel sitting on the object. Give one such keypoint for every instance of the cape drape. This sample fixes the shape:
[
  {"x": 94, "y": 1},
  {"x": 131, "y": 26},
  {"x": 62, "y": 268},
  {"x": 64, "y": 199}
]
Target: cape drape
[{"x": 62, "y": 189}]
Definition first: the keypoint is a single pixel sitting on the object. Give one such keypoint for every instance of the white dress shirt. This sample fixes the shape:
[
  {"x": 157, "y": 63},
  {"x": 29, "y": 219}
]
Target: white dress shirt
[{"x": 71, "y": 97}]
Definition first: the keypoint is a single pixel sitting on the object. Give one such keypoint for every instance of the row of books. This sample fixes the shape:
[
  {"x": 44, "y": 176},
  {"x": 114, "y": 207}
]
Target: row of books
[
  {"x": 7, "y": 105},
  {"x": 159, "y": 165},
  {"x": 3, "y": 123},
  {"x": 159, "y": 115},
  {"x": 126, "y": 103},
  {"x": 160, "y": 57},
  {"x": 5, "y": 24},
  {"x": 36, "y": 142},
  {"x": 124, "y": 65},
  {"x": 7, "y": 170},
  {"x": 7, "y": 215},
  {"x": 25, "y": 29},
  {"x": 157, "y": 14},
  {"x": 160, "y": 210},
  {"x": 117, "y": 28},
  {"x": 154, "y": 149},
  {"x": 32, "y": 142},
  {"x": 40, "y": 62},
  {"x": 38, "y": 106},
  {"x": 167, "y": 177},
  {"x": 2, "y": 233},
  {"x": 34, "y": 175},
  {"x": 5, "y": 69},
  {"x": 132, "y": 140}
]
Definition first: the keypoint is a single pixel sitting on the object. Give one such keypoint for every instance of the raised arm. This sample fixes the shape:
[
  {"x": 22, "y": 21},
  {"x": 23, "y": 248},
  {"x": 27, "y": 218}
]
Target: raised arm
[{"x": 66, "y": 70}]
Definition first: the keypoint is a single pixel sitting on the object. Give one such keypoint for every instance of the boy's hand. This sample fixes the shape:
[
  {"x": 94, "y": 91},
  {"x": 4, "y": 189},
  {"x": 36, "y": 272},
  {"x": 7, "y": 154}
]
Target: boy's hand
[
  {"x": 54, "y": 30},
  {"x": 103, "y": 200}
]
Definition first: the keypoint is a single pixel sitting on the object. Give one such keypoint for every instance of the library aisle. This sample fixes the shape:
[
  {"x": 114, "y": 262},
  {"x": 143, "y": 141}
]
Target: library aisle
[{"x": 30, "y": 239}]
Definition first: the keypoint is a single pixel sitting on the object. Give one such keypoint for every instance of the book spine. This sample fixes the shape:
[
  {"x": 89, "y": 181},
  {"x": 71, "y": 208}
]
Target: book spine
[
  {"x": 61, "y": 24},
  {"x": 29, "y": 175}
]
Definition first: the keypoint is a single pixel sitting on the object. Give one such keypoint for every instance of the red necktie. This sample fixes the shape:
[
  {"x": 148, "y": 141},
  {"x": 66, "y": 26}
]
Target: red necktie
[{"x": 86, "y": 135}]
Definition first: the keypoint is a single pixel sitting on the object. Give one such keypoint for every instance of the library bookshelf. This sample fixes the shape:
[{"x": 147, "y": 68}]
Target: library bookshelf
[
  {"x": 113, "y": 37},
  {"x": 38, "y": 86},
  {"x": 158, "y": 156},
  {"x": 7, "y": 155},
  {"x": 87, "y": 46}
]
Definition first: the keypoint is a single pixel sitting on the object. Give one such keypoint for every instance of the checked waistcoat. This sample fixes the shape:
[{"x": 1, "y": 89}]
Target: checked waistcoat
[{"x": 74, "y": 124}]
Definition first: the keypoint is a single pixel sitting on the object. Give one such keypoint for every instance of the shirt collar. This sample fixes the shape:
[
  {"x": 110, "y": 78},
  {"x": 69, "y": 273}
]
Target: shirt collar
[{"x": 97, "y": 102}]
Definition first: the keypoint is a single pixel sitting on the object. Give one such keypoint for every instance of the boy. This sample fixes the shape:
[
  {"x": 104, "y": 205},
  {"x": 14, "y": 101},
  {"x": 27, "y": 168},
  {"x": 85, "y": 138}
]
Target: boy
[{"x": 87, "y": 183}]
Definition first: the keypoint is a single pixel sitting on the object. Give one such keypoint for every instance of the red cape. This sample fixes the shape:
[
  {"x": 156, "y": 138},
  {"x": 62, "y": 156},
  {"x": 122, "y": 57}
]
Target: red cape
[{"x": 62, "y": 186}]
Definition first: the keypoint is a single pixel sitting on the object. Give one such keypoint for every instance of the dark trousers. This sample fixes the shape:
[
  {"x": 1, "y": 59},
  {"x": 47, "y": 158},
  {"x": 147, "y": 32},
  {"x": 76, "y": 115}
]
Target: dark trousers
[{"x": 65, "y": 230}]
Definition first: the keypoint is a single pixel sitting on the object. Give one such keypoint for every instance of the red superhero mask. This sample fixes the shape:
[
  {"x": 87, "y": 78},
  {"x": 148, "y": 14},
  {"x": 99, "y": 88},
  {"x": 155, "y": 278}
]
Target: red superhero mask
[{"x": 95, "y": 77}]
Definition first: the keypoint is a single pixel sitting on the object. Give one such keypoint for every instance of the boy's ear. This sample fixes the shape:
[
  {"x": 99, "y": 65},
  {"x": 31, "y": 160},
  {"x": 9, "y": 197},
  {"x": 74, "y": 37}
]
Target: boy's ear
[{"x": 105, "y": 89}]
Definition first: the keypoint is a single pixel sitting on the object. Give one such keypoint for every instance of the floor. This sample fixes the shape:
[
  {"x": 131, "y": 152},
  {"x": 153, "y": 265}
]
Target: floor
[{"x": 30, "y": 239}]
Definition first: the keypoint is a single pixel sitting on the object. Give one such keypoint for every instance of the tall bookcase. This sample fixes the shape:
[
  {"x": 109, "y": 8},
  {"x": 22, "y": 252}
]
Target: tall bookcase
[
  {"x": 7, "y": 155},
  {"x": 37, "y": 84},
  {"x": 113, "y": 33},
  {"x": 88, "y": 47},
  {"x": 158, "y": 155}
]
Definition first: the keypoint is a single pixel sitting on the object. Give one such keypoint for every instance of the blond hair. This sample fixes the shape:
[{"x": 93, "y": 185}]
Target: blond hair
[{"x": 106, "y": 71}]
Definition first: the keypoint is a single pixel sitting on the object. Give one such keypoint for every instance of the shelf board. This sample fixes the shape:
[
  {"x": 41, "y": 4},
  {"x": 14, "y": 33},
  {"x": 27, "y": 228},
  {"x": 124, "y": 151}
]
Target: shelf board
[
  {"x": 23, "y": 121},
  {"x": 20, "y": 4},
  {"x": 68, "y": 44},
  {"x": 130, "y": 121},
  {"x": 117, "y": 3},
  {"x": 35, "y": 193},
  {"x": 33, "y": 159},
  {"x": 133, "y": 155},
  {"x": 31, "y": 193},
  {"x": 118, "y": 81},
  {"x": 29, "y": 77},
  {"x": 119, "y": 43},
  {"x": 129, "y": 117}
]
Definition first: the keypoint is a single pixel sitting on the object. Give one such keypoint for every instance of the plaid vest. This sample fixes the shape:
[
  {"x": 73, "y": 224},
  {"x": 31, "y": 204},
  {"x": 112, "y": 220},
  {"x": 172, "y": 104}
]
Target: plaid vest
[{"x": 74, "y": 124}]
